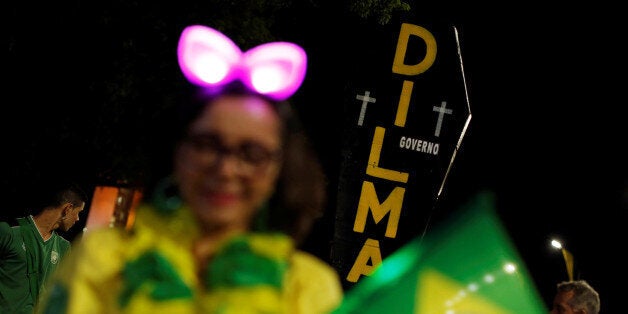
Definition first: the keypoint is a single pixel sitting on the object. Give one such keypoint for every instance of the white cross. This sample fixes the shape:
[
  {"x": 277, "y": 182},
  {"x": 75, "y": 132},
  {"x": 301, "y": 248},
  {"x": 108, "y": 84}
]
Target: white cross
[
  {"x": 441, "y": 111},
  {"x": 365, "y": 101}
]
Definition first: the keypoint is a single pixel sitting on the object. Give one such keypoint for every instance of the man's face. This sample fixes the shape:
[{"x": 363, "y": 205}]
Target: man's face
[
  {"x": 71, "y": 217},
  {"x": 560, "y": 304}
]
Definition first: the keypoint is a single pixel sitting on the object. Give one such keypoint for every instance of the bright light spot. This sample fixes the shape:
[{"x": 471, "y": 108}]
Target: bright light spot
[
  {"x": 473, "y": 287},
  {"x": 555, "y": 243},
  {"x": 489, "y": 278},
  {"x": 268, "y": 79},
  {"x": 450, "y": 312},
  {"x": 211, "y": 68},
  {"x": 510, "y": 268}
]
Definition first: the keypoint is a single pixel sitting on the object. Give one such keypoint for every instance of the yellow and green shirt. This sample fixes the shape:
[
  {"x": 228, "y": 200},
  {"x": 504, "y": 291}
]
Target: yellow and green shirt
[{"x": 151, "y": 269}]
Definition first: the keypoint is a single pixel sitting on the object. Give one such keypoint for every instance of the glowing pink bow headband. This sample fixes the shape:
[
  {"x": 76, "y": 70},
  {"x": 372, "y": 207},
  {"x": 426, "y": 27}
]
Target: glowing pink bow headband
[{"x": 208, "y": 58}]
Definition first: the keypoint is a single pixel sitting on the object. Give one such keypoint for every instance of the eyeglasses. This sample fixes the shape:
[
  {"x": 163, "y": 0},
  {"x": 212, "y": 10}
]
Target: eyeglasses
[{"x": 251, "y": 157}]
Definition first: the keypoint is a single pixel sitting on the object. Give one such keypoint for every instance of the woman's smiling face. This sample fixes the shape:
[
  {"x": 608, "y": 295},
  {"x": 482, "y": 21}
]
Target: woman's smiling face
[{"x": 228, "y": 164}]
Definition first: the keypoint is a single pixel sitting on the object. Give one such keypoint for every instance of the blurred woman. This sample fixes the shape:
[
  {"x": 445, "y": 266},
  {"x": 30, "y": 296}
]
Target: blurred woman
[{"x": 222, "y": 232}]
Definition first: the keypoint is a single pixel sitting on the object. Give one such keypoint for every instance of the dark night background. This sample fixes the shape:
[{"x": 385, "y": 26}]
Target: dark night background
[{"x": 90, "y": 85}]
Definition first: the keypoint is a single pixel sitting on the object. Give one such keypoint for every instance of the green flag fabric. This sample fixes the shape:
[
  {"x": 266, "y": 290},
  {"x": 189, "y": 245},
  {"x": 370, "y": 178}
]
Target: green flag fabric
[{"x": 467, "y": 265}]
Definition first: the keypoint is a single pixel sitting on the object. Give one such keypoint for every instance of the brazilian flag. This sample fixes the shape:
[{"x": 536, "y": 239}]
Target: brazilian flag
[{"x": 466, "y": 265}]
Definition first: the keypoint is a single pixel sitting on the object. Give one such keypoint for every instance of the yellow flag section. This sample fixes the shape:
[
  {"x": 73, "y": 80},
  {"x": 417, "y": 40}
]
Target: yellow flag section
[
  {"x": 568, "y": 262},
  {"x": 466, "y": 265},
  {"x": 446, "y": 295}
]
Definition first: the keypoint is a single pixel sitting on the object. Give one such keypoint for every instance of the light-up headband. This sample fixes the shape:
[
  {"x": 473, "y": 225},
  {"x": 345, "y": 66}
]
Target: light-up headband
[{"x": 208, "y": 58}]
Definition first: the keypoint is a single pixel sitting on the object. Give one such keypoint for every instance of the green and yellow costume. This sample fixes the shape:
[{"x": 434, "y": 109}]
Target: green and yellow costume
[{"x": 151, "y": 269}]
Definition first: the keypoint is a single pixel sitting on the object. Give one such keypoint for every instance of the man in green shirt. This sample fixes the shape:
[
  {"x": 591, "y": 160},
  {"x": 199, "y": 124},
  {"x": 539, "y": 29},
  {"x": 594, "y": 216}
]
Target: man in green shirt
[{"x": 31, "y": 249}]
